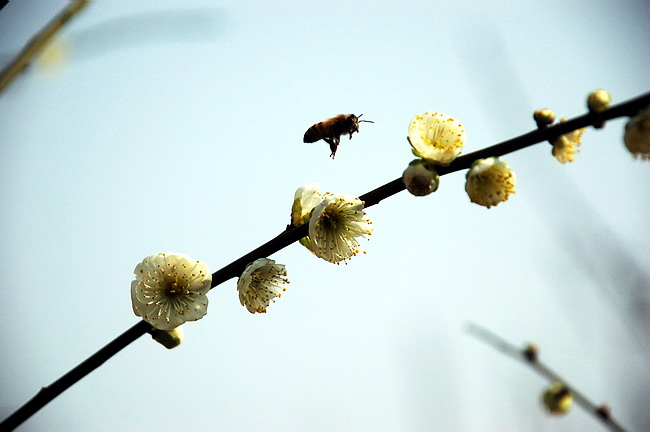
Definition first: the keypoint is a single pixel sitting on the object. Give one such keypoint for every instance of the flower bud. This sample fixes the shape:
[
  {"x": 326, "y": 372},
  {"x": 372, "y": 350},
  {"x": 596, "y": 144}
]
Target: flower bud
[
  {"x": 168, "y": 338},
  {"x": 531, "y": 352},
  {"x": 637, "y": 135},
  {"x": 420, "y": 178},
  {"x": 543, "y": 117},
  {"x": 557, "y": 399},
  {"x": 599, "y": 100}
]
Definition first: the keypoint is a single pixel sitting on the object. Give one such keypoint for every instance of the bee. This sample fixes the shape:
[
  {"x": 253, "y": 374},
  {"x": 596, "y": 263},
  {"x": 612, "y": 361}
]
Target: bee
[{"x": 331, "y": 130}]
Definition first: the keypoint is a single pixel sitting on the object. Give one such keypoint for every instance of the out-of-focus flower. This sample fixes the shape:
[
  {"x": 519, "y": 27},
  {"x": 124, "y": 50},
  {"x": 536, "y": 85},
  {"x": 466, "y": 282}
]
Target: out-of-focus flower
[
  {"x": 490, "y": 181},
  {"x": 54, "y": 55},
  {"x": 637, "y": 135},
  {"x": 335, "y": 225},
  {"x": 420, "y": 178},
  {"x": 436, "y": 137},
  {"x": 169, "y": 289},
  {"x": 599, "y": 100},
  {"x": 262, "y": 281},
  {"x": 304, "y": 201},
  {"x": 169, "y": 338},
  {"x": 565, "y": 146},
  {"x": 557, "y": 399},
  {"x": 543, "y": 117}
]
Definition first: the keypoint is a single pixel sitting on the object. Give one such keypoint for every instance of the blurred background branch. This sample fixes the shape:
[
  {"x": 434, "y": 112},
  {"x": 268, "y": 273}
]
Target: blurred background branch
[
  {"x": 39, "y": 41},
  {"x": 530, "y": 356}
]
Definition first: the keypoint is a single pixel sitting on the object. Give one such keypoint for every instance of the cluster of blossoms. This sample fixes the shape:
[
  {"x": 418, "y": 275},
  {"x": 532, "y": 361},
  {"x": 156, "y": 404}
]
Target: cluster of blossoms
[
  {"x": 170, "y": 289},
  {"x": 437, "y": 139}
]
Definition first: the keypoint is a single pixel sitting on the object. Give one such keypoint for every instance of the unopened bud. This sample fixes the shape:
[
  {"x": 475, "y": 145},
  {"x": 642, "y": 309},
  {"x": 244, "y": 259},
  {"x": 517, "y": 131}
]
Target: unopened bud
[
  {"x": 557, "y": 399},
  {"x": 543, "y": 117},
  {"x": 531, "y": 352},
  {"x": 599, "y": 100},
  {"x": 168, "y": 338},
  {"x": 604, "y": 411},
  {"x": 420, "y": 178}
]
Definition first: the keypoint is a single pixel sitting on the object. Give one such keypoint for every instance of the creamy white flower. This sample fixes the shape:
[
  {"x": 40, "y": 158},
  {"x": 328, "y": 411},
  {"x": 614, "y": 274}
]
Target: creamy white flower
[
  {"x": 637, "y": 135},
  {"x": 169, "y": 289},
  {"x": 436, "y": 137},
  {"x": 262, "y": 281},
  {"x": 489, "y": 182},
  {"x": 334, "y": 226},
  {"x": 304, "y": 201},
  {"x": 565, "y": 146}
]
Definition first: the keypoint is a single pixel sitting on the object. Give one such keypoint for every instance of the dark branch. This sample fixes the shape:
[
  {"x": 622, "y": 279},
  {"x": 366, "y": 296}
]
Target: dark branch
[{"x": 292, "y": 234}]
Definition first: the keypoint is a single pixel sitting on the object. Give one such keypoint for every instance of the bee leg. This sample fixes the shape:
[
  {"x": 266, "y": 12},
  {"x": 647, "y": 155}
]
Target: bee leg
[{"x": 334, "y": 144}]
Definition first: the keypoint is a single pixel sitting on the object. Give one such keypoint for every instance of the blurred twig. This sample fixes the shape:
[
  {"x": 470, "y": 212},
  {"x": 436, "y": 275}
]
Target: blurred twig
[
  {"x": 38, "y": 42},
  {"x": 530, "y": 357}
]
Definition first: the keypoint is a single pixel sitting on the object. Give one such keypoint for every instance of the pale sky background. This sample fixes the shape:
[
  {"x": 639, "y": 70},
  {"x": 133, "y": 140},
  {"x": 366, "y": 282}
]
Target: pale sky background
[{"x": 177, "y": 126}]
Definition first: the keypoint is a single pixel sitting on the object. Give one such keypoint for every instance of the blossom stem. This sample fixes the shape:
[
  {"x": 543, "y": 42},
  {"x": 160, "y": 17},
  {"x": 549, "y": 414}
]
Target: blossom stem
[
  {"x": 292, "y": 234},
  {"x": 523, "y": 355}
]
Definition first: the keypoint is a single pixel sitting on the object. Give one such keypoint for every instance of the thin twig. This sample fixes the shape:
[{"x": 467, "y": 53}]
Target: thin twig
[
  {"x": 38, "y": 42},
  {"x": 524, "y": 355},
  {"x": 291, "y": 234}
]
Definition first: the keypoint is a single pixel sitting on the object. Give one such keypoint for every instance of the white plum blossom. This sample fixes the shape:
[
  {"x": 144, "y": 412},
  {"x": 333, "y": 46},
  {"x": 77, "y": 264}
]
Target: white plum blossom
[
  {"x": 489, "y": 182},
  {"x": 262, "y": 281},
  {"x": 335, "y": 225},
  {"x": 170, "y": 289},
  {"x": 436, "y": 137},
  {"x": 565, "y": 146},
  {"x": 304, "y": 200}
]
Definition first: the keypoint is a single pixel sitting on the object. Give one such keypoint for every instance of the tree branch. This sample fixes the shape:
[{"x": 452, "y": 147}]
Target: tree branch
[
  {"x": 530, "y": 358},
  {"x": 292, "y": 234}
]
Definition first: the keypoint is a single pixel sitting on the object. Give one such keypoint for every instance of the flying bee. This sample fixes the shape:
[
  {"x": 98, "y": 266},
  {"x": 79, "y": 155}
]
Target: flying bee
[{"x": 331, "y": 130}]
